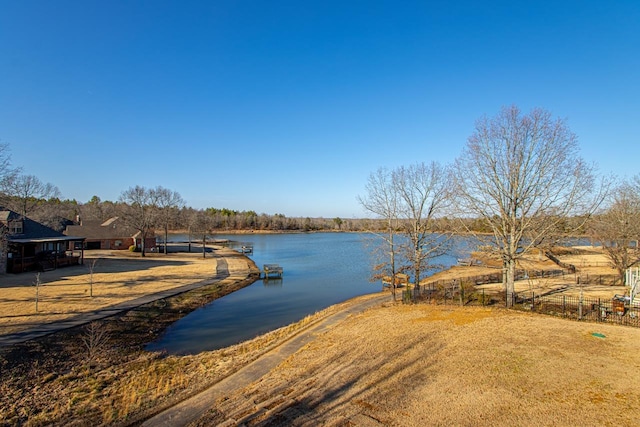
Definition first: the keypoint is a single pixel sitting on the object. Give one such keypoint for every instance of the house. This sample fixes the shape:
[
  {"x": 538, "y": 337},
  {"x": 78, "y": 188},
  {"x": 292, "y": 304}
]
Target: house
[
  {"x": 110, "y": 234},
  {"x": 27, "y": 245}
]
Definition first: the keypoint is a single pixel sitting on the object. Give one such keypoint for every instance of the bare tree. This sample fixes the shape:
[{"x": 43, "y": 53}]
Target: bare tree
[
  {"x": 408, "y": 200},
  {"x": 381, "y": 199},
  {"x": 618, "y": 228},
  {"x": 25, "y": 191},
  {"x": 7, "y": 172},
  {"x": 92, "y": 210},
  {"x": 422, "y": 189},
  {"x": 202, "y": 226},
  {"x": 169, "y": 204},
  {"x": 523, "y": 176},
  {"x": 37, "y": 283},
  {"x": 96, "y": 341},
  {"x": 139, "y": 211},
  {"x": 91, "y": 268},
  {"x": 55, "y": 213},
  {"x": 187, "y": 220}
]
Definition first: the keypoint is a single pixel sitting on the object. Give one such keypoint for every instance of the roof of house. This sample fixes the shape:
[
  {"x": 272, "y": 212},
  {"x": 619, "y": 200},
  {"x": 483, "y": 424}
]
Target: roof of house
[
  {"x": 113, "y": 228},
  {"x": 32, "y": 231}
]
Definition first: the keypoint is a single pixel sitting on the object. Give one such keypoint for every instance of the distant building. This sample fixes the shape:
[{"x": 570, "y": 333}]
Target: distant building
[
  {"x": 27, "y": 245},
  {"x": 110, "y": 234}
]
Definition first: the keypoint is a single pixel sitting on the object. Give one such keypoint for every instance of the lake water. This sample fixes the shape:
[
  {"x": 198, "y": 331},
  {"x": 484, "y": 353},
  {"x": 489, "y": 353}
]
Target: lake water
[{"x": 320, "y": 269}]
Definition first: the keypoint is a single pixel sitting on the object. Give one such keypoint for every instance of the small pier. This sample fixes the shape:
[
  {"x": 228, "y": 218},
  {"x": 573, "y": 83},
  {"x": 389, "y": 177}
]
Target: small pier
[
  {"x": 272, "y": 271},
  {"x": 400, "y": 280}
]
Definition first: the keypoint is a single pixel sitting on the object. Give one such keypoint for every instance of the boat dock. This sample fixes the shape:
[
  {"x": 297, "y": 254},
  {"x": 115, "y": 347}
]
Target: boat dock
[{"x": 272, "y": 270}]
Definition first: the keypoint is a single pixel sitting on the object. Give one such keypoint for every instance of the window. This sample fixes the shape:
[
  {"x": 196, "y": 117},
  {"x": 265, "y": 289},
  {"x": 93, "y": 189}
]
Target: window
[{"x": 15, "y": 227}]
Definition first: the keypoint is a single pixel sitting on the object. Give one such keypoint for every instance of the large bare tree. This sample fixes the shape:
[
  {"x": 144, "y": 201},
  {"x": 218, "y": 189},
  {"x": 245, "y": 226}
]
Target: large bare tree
[
  {"x": 422, "y": 191},
  {"x": 522, "y": 174},
  {"x": 381, "y": 199},
  {"x": 169, "y": 204},
  {"x": 139, "y": 211},
  {"x": 618, "y": 228},
  {"x": 408, "y": 200}
]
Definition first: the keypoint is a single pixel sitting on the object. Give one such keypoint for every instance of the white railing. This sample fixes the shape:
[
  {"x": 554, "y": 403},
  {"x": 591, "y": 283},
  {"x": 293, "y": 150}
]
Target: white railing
[{"x": 633, "y": 281}]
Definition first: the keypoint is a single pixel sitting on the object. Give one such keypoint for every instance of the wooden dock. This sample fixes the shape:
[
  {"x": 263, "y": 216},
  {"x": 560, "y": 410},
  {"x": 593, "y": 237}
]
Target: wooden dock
[
  {"x": 272, "y": 270},
  {"x": 401, "y": 280}
]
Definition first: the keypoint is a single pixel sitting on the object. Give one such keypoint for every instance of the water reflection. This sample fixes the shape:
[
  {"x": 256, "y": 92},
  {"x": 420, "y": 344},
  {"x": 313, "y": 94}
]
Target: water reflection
[{"x": 274, "y": 282}]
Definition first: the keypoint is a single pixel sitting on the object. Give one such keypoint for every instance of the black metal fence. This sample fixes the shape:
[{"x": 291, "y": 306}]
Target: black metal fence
[
  {"x": 597, "y": 279},
  {"x": 616, "y": 310},
  {"x": 496, "y": 277},
  {"x": 609, "y": 310}
]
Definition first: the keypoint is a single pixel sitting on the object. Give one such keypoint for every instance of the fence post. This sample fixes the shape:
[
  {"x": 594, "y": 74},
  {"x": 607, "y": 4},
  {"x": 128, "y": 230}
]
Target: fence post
[
  {"x": 580, "y": 306},
  {"x": 483, "y": 297},
  {"x": 533, "y": 301},
  {"x": 564, "y": 305}
]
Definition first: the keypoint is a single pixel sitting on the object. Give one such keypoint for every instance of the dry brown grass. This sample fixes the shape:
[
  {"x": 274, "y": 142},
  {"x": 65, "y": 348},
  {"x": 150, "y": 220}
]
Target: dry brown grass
[
  {"x": 590, "y": 262},
  {"x": 416, "y": 365},
  {"x": 121, "y": 386},
  {"x": 118, "y": 276},
  {"x": 400, "y": 365}
]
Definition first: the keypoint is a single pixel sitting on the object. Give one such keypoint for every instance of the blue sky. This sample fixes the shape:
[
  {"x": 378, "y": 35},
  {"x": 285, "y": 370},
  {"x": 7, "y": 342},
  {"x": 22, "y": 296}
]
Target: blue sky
[{"x": 288, "y": 106}]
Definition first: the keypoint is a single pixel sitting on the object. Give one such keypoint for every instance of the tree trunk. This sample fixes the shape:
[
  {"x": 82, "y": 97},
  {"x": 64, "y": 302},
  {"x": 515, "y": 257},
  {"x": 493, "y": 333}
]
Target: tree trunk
[
  {"x": 510, "y": 281},
  {"x": 166, "y": 237},
  {"x": 142, "y": 239},
  {"x": 392, "y": 259}
]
